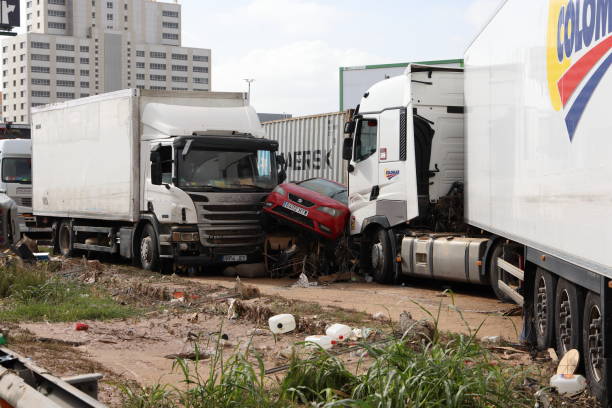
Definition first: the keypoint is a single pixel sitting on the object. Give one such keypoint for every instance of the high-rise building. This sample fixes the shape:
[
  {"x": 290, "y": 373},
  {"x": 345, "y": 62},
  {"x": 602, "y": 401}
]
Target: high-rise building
[{"x": 78, "y": 48}]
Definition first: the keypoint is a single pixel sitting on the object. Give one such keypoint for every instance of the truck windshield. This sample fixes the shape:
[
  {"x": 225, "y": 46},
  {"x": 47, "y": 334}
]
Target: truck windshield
[
  {"x": 223, "y": 170},
  {"x": 17, "y": 170}
]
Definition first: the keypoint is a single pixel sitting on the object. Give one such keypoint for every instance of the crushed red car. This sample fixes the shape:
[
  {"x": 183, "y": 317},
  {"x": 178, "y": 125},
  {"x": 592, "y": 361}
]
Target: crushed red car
[{"x": 316, "y": 205}]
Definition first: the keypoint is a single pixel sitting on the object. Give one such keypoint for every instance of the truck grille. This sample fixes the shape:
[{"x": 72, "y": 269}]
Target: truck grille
[
  {"x": 25, "y": 201},
  {"x": 230, "y": 226}
]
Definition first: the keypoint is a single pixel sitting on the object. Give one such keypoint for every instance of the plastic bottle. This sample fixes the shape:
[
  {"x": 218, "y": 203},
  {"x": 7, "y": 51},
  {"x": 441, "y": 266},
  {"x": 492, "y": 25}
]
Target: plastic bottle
[
  {"x": 3, "y": 340},
  {"x": 339, "y": 332},
  {"x": 283, "y": 323},
  {"x": 568, "y": 384},
  {"x": 325, "y": 342}
]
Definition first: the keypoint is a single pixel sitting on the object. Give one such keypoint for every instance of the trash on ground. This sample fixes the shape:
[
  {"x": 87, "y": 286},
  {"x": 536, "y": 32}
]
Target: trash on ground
[
  {"x": 283, "y": 323},
  {"x": 325, "y": 342},
  {"x": 3, "y": 339},
  {"x": 258, "y": 332},
  {"x": 361, "y": 334},
  {"x": 553, "y": 355},
  {"x": 41, "y": 256},
  {"x": 339, "y": 332},
  {"x": 232, "y": 313},
  {"x": 192, "y": 318},
  {"x": 569, "y": 362},
  {"x": 491, "y": 339},
  {"x": 345, "y": 276},
  {"x": 380, "y": 316},
  {"x": 81, "y": 327},
  {"x": 193, "y": 354},
  {"x": 246, "y": 291},
  {"x": 568, "y": 384},
  {"x": 303, "y": 282},
  {"x": 415, "y": 329}
]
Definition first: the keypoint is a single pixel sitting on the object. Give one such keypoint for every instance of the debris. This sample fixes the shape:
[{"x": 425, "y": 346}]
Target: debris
[
  {"x": 95, "y": 264},
  {"x": 369, "y": 279},
  {"x": 257, "y": 332},
  {"x": 335, "y": 277},
  {"x": 29, "y": 243},
  {"x": 41, "y": 256},
  {"x": 23, "y": 251},
  {"x": 415, "y": 329},
  {"x": 515, "y": 311},
  {"x": 568, "y": 384},
  {"x": 553, "y": 355},
  {"x": 362, "y": 333},
  {"x": 339, "y": 332},
  {"x": 195, "y": 354},
  {"x": 192, "y": 318},
  {"x": 178, "y": 295},
  {"x": 491, "y": 340},
  {"x": 81, "y": 327},
  {"x": 246, "y": 291},
  {"x": 543, "y": 399},
  {"x": 569, "y": 362},
  {"x": 380, "y": 316},
  {"x": 3, "y": 339},
  {"x": 303, "y": 282},
  {"x": 325, "y": 342},
  {"x": 283, "y": 323},
  {"x": 177, "y": 300},
  {"x": 231, "y": 310}
]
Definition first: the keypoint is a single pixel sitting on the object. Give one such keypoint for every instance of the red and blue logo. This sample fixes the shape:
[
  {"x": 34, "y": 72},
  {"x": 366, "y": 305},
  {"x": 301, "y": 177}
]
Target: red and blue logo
[
  {"x": 390, "y": 174},
  {"x": 578, "y": 54}
]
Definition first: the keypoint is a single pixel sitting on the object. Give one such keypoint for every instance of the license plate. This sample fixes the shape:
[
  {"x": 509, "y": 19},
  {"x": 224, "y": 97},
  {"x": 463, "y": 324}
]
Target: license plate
[
  {"x": 295, "y": 208},
  {"x": 234, "y": 258}
]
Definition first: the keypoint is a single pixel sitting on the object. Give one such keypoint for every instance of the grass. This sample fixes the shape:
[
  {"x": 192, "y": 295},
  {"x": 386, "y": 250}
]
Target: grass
[
  {"x": 449, "y": 371},
  {"x": 32, "y": 293}
]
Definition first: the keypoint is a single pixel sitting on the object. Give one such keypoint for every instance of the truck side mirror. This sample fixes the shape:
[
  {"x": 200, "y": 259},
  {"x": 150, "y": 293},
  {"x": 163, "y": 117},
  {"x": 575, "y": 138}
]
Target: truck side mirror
[
  {"x": 282, "y": 176},
  {"x": 156, "y": 168},
  {"x": 347, "y": 148},
  {"x": 349, "y": 127}
]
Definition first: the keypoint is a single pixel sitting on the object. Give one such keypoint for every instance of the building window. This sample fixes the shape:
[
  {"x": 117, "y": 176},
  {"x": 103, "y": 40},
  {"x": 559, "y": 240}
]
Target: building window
[
  {"x": 84, "y": 84},
  {"x": 158, "y": 88},
  {"x": 161, "y": 78},
  {"x": 201, "y": 69},
  {"x": 140, "y": 76},
  {"x": 56, "y": 13},
  {"x": 167, "y": 24},
  {"x": 37, "y": 44},
  {"x": 140, "y": 87},
  {"x": 180, "y": 57},
  {"x": 180, "y": 68},
  {"x": 158, "y": 66},
  {"x": 40, "y": 94},
  {"x": 65, "y": 95},
  {"x": 109, "y": 17},
  {"x": 84, "y": 72},
  {"x": 69, "y": 84},
  {"x": 65, "y": 71},
  {"x": 84, "y": 60},
  {"x": 140, "y": 64},
  {"x": 84, "y": 95},
  {"x": 179, "y": 79},
  {"x": 40, "y": 70},
  {"x": 109, "y": 4},
  {"x": 161, "y": 55},
  {"x": 84, "y": 48},
  {"x": 64, "y": 47},
  {"x": 200, "y": 58},
  {"x": 63, "y": 58},
  {"x": 40, "y": 81},
  {"x": 180, "y": 89},
  {"x": 169, "y": 36},
  {"x": 200, "y": 81},
  {"x": 168, "y": 13},
  {"x": 58, "y": 2},
  {"x": 140, "y": 53},
  {"x": 57, "y": 26}
]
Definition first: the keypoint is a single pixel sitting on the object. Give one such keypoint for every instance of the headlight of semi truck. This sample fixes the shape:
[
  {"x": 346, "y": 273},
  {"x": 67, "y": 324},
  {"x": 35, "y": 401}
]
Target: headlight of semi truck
[
  {"x": 185, "y": 236},
  {"x": 328, "y": 210}
]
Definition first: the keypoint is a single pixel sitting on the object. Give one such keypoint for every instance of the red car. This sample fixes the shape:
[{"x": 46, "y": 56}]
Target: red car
[{"x": 317, "y": 205}]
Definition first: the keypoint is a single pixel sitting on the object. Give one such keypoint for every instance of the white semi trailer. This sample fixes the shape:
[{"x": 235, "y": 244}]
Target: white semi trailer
[
  {"x": 163, "y": 178},
  {"x": 501, "y": 174}
]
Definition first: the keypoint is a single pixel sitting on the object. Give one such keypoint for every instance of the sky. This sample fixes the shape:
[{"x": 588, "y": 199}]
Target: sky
[{"x": 294, "y": 48}]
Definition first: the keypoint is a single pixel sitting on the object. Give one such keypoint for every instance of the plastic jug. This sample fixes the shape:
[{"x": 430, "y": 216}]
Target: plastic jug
[
  {"x": 339, "y": 332},
  {"x": 283, "y": 323},
  {"x": 325, "y": 342},
  {"x": 568, "y": 384}
]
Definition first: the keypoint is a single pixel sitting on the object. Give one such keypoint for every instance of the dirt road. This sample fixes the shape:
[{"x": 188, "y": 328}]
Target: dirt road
[{"x": 469, "y": 306}]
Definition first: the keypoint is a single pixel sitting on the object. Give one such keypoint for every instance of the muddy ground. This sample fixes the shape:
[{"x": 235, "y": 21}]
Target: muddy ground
[{"x": 179, "y": 313}]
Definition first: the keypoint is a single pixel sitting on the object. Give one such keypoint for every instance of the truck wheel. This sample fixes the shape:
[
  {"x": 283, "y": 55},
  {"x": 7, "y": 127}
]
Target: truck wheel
[
  {"x": 568, "y": 316},
  {"x": 544, "y": 308},
  {"x": 594, "y": 363},
  {"x": 65, "y": 238},
  {"x": 149, "y": 253},
  {"x": 496, "y": 274},
  {"x": 381, "y": 257}
]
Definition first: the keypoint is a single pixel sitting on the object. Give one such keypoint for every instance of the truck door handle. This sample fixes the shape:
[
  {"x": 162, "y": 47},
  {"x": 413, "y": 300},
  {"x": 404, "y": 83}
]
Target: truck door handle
[{"x": 375, "y": 192}]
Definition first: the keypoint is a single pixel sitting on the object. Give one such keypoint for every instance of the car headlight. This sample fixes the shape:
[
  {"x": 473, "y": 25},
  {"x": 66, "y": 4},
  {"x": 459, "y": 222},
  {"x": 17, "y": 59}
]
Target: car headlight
[
  {"x": 280, "y": 190},
  {"x": 328, "y": 210}
]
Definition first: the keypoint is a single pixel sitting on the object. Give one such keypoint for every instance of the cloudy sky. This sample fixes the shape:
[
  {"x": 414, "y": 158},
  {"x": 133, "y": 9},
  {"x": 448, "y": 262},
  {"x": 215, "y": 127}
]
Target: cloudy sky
[{"x": 293, "y": 48}]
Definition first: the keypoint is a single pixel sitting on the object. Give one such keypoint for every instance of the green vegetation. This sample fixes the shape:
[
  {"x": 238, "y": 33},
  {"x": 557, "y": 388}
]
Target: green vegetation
[
  {"x": 34, "y": 294},
  {"x": 454, "y": 372}
]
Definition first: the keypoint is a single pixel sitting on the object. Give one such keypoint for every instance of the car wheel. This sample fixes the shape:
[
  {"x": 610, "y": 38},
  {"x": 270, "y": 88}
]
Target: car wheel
[
  {"x": 149, "y": 254},
  {"x": 594, "y": 362},
  {"x": 544, "y": 308},
  {"x": 568, "y": 316},
  {"x": 381, "y": 258},
  {"x": 65, "y": 238}
]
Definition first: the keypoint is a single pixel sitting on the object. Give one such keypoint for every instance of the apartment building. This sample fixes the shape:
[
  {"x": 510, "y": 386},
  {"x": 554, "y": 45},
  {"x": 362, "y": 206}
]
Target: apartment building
[{"x": 77, "y": 48}]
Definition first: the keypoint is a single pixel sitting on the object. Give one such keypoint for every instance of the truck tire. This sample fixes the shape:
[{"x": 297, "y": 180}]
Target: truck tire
[
  {"x": 592, "y": 340},
  {"x": 65, "y": 239},
  {"x": 148, "y": 249},
  {"x": 381, "y": 258},
  {"x": 496, "y": 274},
  {"x": 568, "y": 317},
  {"x": 544, "y": 308}
]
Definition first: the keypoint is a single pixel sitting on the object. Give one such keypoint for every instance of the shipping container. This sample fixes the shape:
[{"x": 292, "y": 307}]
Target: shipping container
[{"x": 311, "y": 145}]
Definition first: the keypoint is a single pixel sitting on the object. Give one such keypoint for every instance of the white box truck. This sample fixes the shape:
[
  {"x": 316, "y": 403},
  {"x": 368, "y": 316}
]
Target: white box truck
[
  {"x": 164, "y": 178},
  {"x": 501, "y": 174}
]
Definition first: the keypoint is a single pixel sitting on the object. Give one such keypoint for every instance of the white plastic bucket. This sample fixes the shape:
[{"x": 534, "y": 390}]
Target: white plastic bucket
[
  {"x": 568, "y": 384},
  {"x": 325, "y": 342},
  {"x": 339, "y": 332},
  {"x": 283, "y": 323}
]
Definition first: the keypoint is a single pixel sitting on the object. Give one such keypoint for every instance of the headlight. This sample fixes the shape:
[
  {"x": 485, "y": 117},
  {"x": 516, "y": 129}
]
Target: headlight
[
  {"x": 280, "y": 191},
  {"x": 328, "y": 210},
  {"x": 185, "y": 237}
]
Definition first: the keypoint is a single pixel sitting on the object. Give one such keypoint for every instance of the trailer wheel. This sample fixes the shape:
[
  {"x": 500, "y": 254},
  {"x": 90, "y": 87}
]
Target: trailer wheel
[
  {"x": 149, "y": 254},
  {"x": 381, "y": 257},
  {"x": 568, "y": 317},
  {"x": 65, "y": 239},
  {"x": 544, "y": 308},
  {"x": 594, "y": 363}
]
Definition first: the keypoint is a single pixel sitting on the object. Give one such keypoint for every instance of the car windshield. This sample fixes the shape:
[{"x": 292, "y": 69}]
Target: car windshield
[
  {"x": 222, "y": 170},
  {"x": 327, "y": 188},
  {"x": 17, "y": 170}
]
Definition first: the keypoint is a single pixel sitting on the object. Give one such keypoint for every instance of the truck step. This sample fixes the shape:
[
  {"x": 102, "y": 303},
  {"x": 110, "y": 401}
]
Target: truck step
[
  {"x": 511, "y": 293},
  {"x": 511, "y": 269},
  {"x": 97, "y": 248}
]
